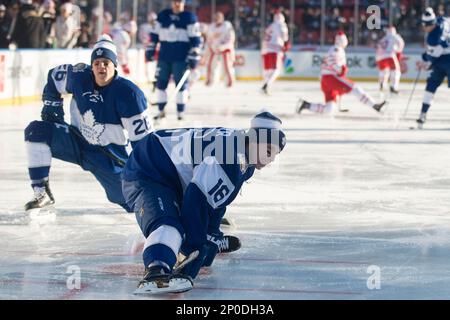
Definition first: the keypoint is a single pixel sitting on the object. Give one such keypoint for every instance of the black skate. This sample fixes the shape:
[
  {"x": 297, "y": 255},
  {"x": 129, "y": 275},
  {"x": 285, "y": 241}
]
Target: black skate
[
  {"x": 393, "y": 91},
  {"x": 157, "y": 280},
  {"x": 264, "y": 89},
  {"x": 159, "y": 116},
  {"x": 377, "y": 107},
  {"x": 43, "y": 197},
  {"x": 421, "y": 121},
  {"x": 227, "y": 244},
  {"x": 180, "y": 116},
  {"x": 302, "y": 105}
]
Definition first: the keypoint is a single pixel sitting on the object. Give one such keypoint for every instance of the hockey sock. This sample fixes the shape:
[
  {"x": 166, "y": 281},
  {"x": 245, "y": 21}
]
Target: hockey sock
[
  {"x": 162, "y": 244},
  {"x": 180, "y": 107},
  {"x": 382, "y": 78},
  {"x": 363, "y": 97},
  {"x": 320, "y": 108},
  {"x": 395, "y": 79},
  {"x": 159, "y": 252},
  {"x": 425, "y": 107}
]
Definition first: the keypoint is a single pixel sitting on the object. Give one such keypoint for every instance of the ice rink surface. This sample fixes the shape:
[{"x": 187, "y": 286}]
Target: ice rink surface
[{"x": 355, "y": 203}]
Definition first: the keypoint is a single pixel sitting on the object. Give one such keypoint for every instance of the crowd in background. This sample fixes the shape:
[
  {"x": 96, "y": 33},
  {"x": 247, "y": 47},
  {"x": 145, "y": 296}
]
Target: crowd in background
[{"x": 74, "y": 23}]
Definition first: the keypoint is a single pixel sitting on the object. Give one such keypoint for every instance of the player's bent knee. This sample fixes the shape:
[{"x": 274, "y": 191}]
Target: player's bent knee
[{"x": 39, "y": 131}]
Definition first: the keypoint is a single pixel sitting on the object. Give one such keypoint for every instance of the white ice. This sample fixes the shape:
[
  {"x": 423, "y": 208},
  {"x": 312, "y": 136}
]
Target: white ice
[{"x": 352, "y": 200}]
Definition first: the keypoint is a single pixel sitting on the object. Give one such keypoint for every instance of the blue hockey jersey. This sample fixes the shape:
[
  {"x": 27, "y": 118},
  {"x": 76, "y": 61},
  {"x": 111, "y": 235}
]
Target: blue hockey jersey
[
  {"x": 177, "y": 33},
  {"x": 438, "y": 42},
  {"x": 100, "y": 113},
  {"x": 205, "y": 167}
]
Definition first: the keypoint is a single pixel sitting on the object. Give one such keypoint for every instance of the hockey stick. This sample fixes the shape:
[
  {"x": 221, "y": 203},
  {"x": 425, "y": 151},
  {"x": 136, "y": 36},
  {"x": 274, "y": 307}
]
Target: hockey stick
[
  {"x": 177, "y": 88},
  {"x": 100, "y": 148},
  {"x": 411, "y": 95}
]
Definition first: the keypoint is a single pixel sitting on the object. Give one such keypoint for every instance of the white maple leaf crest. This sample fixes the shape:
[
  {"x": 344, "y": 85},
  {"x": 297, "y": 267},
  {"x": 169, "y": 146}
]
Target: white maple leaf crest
[{"x": 91, "y": 129}]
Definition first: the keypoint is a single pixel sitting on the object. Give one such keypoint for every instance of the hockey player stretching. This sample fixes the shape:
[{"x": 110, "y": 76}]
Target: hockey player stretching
[
  {"x": 436, "y": 58},
  {"x": 178, "y": 33},
  {"x": 388, "y": 56},
  {"x": 103, "y": 105},
  {"x": 334, "y": 82},
  {"x": 179, "y": 182}
]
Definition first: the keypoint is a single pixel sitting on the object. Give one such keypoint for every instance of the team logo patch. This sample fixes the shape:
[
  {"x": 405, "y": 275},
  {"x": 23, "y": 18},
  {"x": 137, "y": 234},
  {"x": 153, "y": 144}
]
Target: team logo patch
[
  {"x": 93, "y": 96},
  {"x": 99, "y": 52},
  {"x": 91, "y": 129}
]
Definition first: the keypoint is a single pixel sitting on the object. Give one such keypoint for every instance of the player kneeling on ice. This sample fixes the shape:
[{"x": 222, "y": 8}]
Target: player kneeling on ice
[
  {"x": 103, "y": 105},
  {"x": 179, "y": 182},
  {"x": 334, "y": 82}
]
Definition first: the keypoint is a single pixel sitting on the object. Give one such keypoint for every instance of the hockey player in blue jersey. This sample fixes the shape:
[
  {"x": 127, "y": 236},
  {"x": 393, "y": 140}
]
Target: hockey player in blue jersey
[
  {"x": 103, "y": 105},
  {"x": 179, "y": 182},
  {"x": 436, "y": 58},
  {"x": 178, "y": 33}
]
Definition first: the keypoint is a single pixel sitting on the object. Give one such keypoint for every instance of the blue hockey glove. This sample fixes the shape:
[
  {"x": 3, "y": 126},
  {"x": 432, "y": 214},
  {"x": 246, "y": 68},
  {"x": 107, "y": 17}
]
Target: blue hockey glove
[
  {"x": 193, "y": 58},
  {"x": 53, "y": 111},
  {"x": 150, "y": 52},
  {"x": 190, "y": 263}
]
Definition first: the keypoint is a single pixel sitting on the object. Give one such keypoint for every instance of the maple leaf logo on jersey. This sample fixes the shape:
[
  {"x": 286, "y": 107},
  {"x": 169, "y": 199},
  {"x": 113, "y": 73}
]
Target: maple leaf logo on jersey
[{"x": 91, "y": 129}]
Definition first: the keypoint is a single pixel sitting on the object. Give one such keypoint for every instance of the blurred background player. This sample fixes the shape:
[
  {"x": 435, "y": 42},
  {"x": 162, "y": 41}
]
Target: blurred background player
[
  {"x": 145, "y": 30},
  {"x": 221, "y": 39},
  {"x": 334, "y": 82},
  {"x": 103, "y": 106},
  {"x": 436, "y": 58},
  {"x": 274, "y": 46},
  {"x": 388, "y": 57},
  {"x": 179, "y": 189},
  {"x": 121, "y": 35},
  {"x": 178, "y": 33}
]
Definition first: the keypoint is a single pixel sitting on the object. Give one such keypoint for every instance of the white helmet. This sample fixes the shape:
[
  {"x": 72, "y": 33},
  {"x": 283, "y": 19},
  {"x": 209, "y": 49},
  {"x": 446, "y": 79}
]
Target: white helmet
[
  {"x": 428, "y": 17},
  {"x": 278, "y": 17},
  {"x": 341, "y": 39},
  {"x": 391, "y": 30}
]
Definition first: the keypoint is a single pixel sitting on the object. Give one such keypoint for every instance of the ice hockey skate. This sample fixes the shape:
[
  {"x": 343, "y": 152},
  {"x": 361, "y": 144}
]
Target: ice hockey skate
[
  {"x": 302, "y": 105},
  {"x": 157, "y": 280},
  {"x": 378, "y": 106},
  {"x": 43, "y": 199}
]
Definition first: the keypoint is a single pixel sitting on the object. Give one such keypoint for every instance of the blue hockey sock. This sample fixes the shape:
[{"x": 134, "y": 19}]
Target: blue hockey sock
[
  {"x": 425, "y": 107},
  {"x": 38, "y": 176},
  {"x": 161, "y": 106},
  {"x": 180, "y": 107},
  {"x": 159, "y": 252}
]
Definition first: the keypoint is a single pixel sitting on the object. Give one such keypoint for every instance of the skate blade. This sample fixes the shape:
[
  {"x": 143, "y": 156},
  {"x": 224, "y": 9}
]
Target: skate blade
[
  {"x": 175, "y": 285},
  {"x": 37, "y": 213}
]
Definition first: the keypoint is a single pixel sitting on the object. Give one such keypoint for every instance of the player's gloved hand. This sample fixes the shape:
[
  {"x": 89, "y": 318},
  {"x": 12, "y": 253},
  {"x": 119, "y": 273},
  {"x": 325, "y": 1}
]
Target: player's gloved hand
[
  {"x": 399, "y": 56},
  {"x": 193, "y": 58},
  {"x": 125, "y": 69},
  {"x": 344, "y": 71},
  {"x": 423, "y": 65},
  {"x": 287, "y": 45},
  {"x": 53, "y": 111},
  {"x": 150, "y": 52},
  {"x": 190, "y": 261}
]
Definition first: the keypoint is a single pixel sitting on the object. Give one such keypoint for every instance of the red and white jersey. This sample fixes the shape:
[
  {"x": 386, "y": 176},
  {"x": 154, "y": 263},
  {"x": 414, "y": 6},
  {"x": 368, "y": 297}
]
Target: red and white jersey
[
  {"x": 389, "y": 46},
  {"x": 220, "y": 37},
  {"x": 122, "y": 40},
  {"x": 274, "y": 37},
  {"x": 334, "y": 62}
]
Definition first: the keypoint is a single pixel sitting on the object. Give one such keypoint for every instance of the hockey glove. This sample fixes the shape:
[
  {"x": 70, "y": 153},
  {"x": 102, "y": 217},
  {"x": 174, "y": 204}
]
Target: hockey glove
[
  {"x": 53, "y": 111},
  {"x": 150, "y": 52},
  {"x": 193, "y": 58},
  {"x": 344, "y": 71},
  {"x": 287, "y": 45},
  {"x": 190, "y": 264}
]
